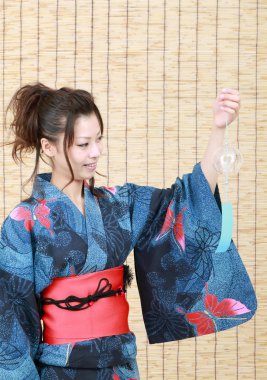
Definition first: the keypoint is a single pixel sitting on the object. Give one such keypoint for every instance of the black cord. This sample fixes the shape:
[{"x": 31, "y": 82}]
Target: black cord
[{"x": 84, "y": 302}]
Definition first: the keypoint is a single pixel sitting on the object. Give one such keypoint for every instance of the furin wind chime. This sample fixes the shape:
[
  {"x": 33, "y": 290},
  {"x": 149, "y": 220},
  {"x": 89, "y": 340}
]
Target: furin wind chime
[{"x": 227, "y": 159}]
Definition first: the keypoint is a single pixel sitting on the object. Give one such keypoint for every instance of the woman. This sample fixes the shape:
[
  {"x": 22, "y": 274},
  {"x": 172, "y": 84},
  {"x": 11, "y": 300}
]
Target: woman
[{"x": 63, "y": 249}]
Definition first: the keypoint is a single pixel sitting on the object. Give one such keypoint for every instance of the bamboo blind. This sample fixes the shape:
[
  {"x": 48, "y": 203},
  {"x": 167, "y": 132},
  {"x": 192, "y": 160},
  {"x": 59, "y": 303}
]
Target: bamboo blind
[{"x": 154, "y": 68}]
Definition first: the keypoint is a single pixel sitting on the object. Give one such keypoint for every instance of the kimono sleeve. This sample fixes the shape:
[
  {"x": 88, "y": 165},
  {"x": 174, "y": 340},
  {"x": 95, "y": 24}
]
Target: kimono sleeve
[
  {"x": 185, "y": 288},
  {"x": 150, "y": 206},
  {"x": 20, "y": 331}
]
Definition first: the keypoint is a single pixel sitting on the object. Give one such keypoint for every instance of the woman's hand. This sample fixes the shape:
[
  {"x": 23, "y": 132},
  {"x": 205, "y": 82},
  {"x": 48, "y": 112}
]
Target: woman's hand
[{"x": 226, "y": 107}]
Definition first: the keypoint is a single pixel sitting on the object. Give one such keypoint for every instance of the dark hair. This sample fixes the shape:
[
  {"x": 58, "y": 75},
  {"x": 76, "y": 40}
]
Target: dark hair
[{"x": 42, "y": 112}]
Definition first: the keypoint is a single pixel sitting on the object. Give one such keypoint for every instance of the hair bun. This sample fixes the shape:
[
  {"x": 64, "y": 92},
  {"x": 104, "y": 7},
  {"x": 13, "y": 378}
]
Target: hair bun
[{"x": 44, "y": 93}]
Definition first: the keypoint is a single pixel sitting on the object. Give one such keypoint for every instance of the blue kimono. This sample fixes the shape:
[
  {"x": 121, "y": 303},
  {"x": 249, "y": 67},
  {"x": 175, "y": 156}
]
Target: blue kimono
[{"x": 185, "y": 288}]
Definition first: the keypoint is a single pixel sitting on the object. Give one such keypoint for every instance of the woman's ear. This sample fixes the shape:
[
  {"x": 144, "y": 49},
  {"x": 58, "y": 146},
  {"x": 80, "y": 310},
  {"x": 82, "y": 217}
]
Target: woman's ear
[{"x": 48, "y": 148}]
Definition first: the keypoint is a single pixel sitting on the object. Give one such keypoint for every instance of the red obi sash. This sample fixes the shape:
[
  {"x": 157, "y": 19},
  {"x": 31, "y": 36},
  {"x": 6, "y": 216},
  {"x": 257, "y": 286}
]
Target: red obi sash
[{"x": 84, "y": 307}]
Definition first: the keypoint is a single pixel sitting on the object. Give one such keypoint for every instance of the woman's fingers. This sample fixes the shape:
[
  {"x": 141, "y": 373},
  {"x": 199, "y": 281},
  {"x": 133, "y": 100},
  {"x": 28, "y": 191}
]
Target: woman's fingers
[
  {"x": 228, "y": 109},
  {"x": 229, "y": 100},
  {"x": 229, "y": 104}
]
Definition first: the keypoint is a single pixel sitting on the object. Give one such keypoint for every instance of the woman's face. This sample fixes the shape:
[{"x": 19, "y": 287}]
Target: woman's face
[{"x": 86, "y": 149}]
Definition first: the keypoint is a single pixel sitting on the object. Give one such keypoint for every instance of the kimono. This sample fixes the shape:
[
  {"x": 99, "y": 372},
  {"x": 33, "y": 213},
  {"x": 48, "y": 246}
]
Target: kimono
[{"x": 185, "y": 288}]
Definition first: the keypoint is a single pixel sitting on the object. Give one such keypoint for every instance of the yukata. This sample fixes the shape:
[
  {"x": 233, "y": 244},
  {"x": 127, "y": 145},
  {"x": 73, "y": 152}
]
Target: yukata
[{"x": 185, "y": 288}]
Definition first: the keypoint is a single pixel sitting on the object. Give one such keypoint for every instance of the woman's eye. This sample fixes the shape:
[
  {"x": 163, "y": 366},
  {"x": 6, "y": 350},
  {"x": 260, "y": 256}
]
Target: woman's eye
[{"x": 82, "y": 145}]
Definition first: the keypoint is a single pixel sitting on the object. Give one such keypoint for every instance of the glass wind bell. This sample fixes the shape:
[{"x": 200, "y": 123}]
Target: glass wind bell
[{"x": 226, "y": 160}]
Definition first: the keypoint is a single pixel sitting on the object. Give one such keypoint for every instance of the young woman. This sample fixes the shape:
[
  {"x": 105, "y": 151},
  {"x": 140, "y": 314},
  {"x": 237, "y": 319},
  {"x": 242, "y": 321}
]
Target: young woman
[{"x": 63, "y": 250}]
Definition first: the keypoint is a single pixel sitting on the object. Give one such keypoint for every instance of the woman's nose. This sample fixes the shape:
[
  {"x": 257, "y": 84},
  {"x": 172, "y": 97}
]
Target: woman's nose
[{"x": 95, "y": 150}]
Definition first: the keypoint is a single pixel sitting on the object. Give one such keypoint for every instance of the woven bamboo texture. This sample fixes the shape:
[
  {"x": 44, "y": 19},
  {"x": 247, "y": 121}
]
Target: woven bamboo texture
[{"x": 154, "y": 68}]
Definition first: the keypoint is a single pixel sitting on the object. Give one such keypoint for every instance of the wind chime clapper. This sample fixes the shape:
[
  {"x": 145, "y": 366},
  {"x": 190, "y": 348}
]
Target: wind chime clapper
[{"x": 227, "y": 159}]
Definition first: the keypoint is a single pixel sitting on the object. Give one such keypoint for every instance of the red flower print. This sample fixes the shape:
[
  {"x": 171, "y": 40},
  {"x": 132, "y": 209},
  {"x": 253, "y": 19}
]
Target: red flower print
[
  {"x": 168, "y": 222},
  {"x": 112, "y": 189},
  {"x": 23, "y": 213},
  {"x": 86, "y": 184},
  {"x": 206, "y": 321},
  {"x": 177, "y": 225},
  {"x": 116, "y": 377},
  {"x": 39, "y": 213},
  {"x": 179, "y": 231}
]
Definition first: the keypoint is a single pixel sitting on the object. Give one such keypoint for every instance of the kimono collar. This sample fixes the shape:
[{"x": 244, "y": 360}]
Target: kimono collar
[{"x": 44, "y": 189}]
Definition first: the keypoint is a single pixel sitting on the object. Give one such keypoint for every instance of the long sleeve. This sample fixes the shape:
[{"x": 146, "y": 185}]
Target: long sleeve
[
  {"x": 185, "y": 288},
  {"x": 20, "y": 330},
  {"x": 149, "y": 206}
]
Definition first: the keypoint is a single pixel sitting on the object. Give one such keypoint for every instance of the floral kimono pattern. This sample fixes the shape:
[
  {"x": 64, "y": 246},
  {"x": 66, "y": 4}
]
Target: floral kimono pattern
[{"x": 186, "y": 289}]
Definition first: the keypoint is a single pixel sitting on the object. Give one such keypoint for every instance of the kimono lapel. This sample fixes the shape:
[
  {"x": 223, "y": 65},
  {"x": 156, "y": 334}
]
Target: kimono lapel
[
  {"x": 97, "y": 243},
  {"x": 90, "y": 225}
]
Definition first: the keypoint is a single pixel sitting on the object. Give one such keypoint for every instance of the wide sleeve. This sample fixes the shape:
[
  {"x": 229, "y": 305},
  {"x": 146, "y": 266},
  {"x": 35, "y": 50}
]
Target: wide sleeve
[
  {"x": 149, "y": 206},
  {"x": 20, "y": 331},
  {"x": 185, "y": 288}
]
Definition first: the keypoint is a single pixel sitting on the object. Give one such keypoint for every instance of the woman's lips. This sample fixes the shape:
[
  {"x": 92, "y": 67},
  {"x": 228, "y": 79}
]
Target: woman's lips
[{"x": 91, "y": 167}]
